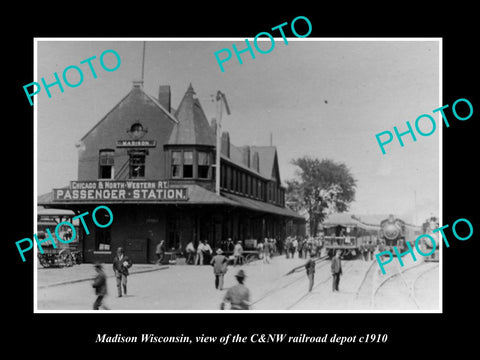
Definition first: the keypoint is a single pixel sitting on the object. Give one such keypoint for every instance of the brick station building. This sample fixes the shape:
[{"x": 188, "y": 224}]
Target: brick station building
[{"x": 154, "y": 167}]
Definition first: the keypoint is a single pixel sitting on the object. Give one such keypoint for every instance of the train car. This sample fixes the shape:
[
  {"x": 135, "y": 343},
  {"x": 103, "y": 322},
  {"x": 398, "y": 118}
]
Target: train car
[
  {"x": 396, "y": 232},
  {"x": 349, "y": 234}
]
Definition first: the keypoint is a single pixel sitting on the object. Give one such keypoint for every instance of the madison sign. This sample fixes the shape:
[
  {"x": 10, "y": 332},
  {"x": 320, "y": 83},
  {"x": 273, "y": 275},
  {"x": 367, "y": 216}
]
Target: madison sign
[{"x": 126, "y": 190}]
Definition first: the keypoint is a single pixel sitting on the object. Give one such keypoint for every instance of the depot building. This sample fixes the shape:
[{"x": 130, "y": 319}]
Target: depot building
[{"x": 154, "y": 167}]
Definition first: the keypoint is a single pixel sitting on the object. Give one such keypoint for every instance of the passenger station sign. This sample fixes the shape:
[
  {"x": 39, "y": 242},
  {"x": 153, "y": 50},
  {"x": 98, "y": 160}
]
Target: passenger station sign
[{"x": 120, "y": 190}]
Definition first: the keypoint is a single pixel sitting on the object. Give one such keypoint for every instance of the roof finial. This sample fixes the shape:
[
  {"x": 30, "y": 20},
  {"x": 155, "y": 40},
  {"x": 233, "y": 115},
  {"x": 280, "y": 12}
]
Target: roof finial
[{"x": 190, "y": 90}]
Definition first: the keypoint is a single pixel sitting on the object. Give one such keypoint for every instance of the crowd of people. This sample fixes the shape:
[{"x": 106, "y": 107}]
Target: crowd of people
[
  {"x": 230, "y": 252},
  {"x": 201, "y": 253},
  {"x": 303, "y": 247}
]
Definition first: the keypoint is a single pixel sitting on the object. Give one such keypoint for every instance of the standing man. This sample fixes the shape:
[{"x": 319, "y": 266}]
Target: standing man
[
  {"x": 207, "y": 251},
  {"x": 239, "y": 295},
  {"x": 100, "y": 286},
  {"x": 371, "y": 249},
  {"x": 237, "y": 253},
  {"x": 190, "y": 253},
  {"x": 288, "y": 241},
  {"x": 199, "y": 257},
  {"x": 310, "y": 267},
  {"x": 260, "y": 250},
  {"x": 160, "y": 251},
  {"x": 121, "y": 264},
  {"x": 336, "y": 270},
  {"x": 219, "y": 263},
  {"x": 293, "y": 249}
]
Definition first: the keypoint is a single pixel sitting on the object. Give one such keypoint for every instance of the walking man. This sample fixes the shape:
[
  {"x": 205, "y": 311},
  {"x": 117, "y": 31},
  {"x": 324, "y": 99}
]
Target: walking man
[
  {"x": 100, "y": 286},
  {"x": 121, "y": 264},
  {"x": 219, "y": 263},
  {"x": 336, "y": 270},
  {"x": 310, "y": 267},
  {"x": 160, "y": 251},
  {"x": 238, "y": 296}
]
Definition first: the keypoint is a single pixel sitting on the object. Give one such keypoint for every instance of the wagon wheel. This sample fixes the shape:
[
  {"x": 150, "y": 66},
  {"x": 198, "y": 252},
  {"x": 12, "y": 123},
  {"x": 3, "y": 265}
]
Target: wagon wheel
[
  {"x": 68, "y": 259},
  {"x": 43, "y": 260}
]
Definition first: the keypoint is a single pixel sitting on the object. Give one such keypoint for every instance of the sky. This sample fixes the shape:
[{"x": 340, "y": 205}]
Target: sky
[{"x": 324, "y": 98}]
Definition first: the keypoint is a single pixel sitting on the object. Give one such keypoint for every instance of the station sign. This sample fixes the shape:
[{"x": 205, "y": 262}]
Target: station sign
[
  {"x": 121, "y": 190},
  {"x": 136, "y": 143}
]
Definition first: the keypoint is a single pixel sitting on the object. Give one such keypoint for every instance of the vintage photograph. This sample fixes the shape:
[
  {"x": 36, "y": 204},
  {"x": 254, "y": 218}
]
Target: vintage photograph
[{"x": 164, "y": 184}]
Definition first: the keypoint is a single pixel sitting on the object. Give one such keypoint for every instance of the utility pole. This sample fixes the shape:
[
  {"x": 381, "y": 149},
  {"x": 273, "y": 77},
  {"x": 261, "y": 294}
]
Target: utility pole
[{"x": 221, "y": 102}]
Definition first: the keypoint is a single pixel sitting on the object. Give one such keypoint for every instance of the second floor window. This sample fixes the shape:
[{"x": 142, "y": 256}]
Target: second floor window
[
  {"x": 188, "y": 164},
  {"x": 203, "y": 165},
  {"x": 137, "y": 164},
  {"x": 106, "y": 162},
  {"x": 176, "y": 164}
]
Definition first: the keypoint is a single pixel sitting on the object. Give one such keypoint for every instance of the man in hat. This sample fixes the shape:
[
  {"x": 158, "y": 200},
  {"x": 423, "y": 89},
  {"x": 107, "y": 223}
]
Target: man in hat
[
  {"x": 336, "y": 270},
  {"x": 121, "y": 264},
  {"x": 239, "y": 295},
  {"x": 219, "y": 263},
  {"x": 100, "y": 286}
]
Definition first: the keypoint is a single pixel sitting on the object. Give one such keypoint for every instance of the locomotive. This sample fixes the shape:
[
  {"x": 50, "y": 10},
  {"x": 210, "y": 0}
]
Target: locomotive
[{"x": 396, "y": 232}]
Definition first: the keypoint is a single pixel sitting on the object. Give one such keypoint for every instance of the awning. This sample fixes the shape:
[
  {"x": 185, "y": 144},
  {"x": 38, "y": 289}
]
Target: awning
[{"x": 263, "y": 207}]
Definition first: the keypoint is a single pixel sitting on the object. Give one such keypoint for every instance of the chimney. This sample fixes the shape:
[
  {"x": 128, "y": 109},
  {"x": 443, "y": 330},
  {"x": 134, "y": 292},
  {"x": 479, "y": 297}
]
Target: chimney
[
  {"x": 256, "y": 161},
  {"x": 246, "y": 155},
  {"x": 213, "y": 125},
  {"x": 164, "y": 96},
  {"x": 225, "y": 144}
]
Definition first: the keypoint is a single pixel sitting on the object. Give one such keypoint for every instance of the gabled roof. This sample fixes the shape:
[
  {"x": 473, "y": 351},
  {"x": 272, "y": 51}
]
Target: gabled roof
[
  {"x": 192, "y": 127},
  {"x": 268, "y": 160},
  {"x": 135, "y": 92}
]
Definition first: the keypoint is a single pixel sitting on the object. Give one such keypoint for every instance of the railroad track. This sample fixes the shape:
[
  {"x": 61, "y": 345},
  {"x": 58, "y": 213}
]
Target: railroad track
[
  {"x": 413, "y": 285},
  {"x": 321, "y": 263},
  {"x": 407, "y": 277}
]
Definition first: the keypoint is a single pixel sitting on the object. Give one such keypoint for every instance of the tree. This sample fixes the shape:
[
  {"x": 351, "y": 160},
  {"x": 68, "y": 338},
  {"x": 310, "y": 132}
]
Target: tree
[{"x": 322, "y": 187}]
